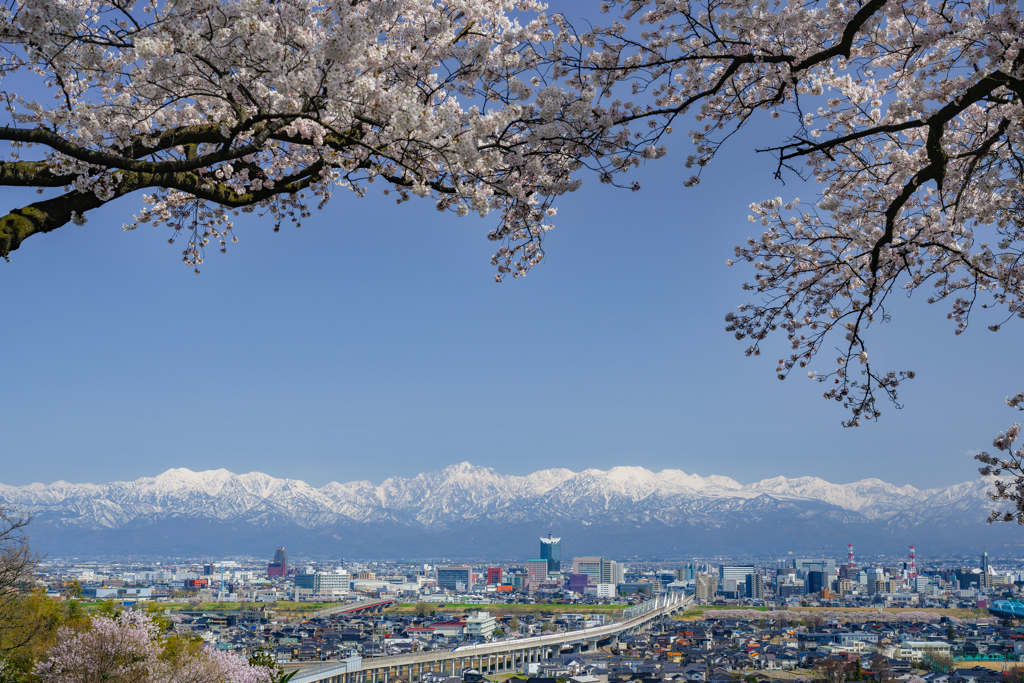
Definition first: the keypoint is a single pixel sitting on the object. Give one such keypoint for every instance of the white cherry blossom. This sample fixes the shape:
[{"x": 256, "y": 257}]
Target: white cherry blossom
[
  {"x": 910, "y": 116},
  {"x": 220, "y": 107}
]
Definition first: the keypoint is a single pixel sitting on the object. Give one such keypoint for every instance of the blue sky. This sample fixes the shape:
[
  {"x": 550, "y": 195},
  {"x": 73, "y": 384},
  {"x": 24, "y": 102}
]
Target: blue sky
[{"x": 373, "y": 342}]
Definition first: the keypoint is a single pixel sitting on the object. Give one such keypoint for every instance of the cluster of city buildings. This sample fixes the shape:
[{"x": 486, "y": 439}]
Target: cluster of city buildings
[
  {"x": 547, "y": 577},
  {"x": 544, "y": 576},
  {"x": 823, "y": 581},
  {"x": 712, "y": 650}
]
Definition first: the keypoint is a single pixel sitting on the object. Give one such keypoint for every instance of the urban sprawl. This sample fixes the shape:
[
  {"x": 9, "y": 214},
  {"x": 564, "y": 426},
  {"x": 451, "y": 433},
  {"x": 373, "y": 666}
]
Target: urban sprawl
[{"x": 718, "y": 621}]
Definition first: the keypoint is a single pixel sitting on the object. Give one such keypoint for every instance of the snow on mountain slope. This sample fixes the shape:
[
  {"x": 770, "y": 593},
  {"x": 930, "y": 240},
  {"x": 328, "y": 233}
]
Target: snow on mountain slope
[
  {"x": 706, "y": 485},
  {"x": 464, "y": 493},
  {"x": 871, "y": 496}
]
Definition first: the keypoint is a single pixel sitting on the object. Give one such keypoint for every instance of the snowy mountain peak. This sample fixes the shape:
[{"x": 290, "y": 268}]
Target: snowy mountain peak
[
  {"x": 698, "y": 483},
  {"x": 466, "y": 494}
]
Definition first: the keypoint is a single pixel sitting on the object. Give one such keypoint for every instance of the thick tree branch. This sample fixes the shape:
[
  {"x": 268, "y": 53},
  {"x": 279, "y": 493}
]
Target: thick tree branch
[{"x": 50, "y": 214}]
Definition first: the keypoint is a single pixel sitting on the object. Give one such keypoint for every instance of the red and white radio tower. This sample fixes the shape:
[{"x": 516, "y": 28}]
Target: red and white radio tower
[
  {"x": 913, "y": 563},
  {"x": 850, "y": 555}
]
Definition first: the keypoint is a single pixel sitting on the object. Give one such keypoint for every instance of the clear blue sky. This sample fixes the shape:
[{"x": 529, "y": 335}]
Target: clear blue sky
[{"x": 374, "y": 342}]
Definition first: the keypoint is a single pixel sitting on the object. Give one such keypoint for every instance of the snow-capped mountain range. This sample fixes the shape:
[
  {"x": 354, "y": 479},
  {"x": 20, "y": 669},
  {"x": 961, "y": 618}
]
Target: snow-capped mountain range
[{"x": 467, "y": 511}]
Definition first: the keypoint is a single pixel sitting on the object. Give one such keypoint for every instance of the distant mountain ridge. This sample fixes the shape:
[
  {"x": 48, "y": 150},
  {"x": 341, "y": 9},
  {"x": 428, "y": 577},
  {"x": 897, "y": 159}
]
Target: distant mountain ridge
[{"x": 469, "y": 511}]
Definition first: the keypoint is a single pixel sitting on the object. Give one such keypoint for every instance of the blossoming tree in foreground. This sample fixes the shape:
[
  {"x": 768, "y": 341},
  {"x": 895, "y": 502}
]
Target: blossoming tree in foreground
[{"x": 129, "y": 648}]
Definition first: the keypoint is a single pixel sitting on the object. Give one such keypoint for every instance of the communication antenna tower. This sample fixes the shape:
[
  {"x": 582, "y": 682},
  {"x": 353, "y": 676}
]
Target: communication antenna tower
[
  {"x": 913, "y": 563},
  {"x": 849, "y": 555}
]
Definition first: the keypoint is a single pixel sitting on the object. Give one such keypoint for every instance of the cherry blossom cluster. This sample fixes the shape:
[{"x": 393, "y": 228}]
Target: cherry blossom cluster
[
  {"x": 218, "y": 107},
  {"x": 907, "y": 113},
  {"x": 1012, "y": 463},
  {"x": 121, "y": 649},
  {"x": 129, "y": 648},
  {"x": 975, "y": 620}
]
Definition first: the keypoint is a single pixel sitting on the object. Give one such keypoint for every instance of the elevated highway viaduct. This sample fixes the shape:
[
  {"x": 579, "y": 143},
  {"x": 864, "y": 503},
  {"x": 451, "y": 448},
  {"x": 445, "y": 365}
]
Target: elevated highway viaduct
[{"x": 507, "y": 655}]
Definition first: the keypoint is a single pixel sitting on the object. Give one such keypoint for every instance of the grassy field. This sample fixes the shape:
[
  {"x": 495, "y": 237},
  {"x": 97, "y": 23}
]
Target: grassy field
[
  {"x": 698, "y": 611},
  {"x": 280, "y": 608},
  {"x": 298, "y": 609},
  {"x": 544, "y": 609},
  {"x": 953, "y": 612}
]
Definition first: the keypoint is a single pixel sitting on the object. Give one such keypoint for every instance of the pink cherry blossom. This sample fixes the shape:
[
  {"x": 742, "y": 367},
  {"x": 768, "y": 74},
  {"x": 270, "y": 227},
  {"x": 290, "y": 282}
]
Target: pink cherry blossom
[{"x": 127, "y": 649}]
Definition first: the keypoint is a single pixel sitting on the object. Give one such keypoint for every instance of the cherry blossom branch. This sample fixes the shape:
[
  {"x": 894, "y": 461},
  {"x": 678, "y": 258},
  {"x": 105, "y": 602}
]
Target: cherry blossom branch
[
  {"x": 908, "y": 115},
  {"x": 1011, "y": 491}
]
